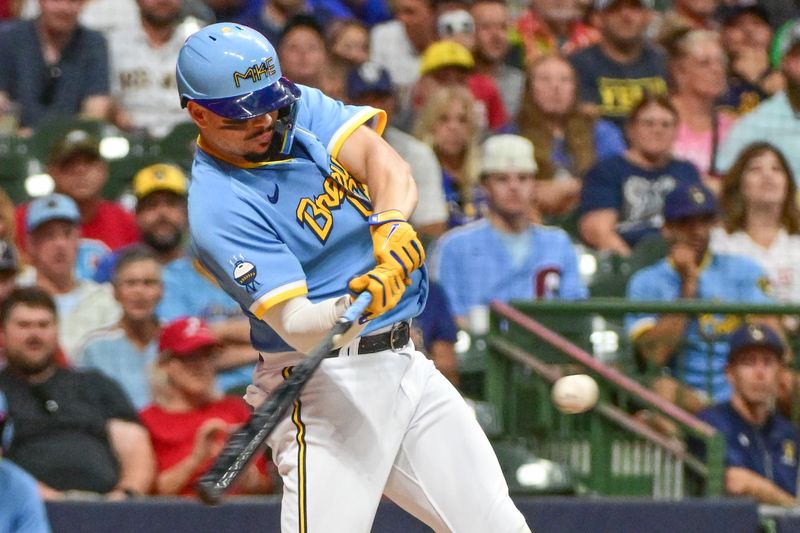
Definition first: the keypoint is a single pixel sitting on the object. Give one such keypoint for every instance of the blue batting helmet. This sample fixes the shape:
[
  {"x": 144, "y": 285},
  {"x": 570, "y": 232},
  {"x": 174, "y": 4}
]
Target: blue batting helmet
[{"x": 234, "y": 71}]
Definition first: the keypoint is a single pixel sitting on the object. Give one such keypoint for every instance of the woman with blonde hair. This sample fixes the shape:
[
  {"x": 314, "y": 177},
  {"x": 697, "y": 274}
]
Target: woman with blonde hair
[
  {"x": 449, "y": 123},
  {"x": 567, "y": 140},
  {"x": 760, "y": 217},
  {"x": 698, "y": 67}
]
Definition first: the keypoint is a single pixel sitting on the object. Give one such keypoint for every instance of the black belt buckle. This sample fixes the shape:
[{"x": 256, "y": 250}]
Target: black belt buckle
[{"x": 398, "y": 336}]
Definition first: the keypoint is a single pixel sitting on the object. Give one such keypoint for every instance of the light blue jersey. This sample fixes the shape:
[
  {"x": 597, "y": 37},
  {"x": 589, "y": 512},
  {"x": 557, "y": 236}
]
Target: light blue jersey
[
  {"x": 474, "y": 266},
  {"x": 282, "y": 229},
  {"x": 724, "y": 278}
]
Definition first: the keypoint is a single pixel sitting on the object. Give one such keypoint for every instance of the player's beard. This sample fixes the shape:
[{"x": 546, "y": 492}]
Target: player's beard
[{"x": 163, "y": 244}]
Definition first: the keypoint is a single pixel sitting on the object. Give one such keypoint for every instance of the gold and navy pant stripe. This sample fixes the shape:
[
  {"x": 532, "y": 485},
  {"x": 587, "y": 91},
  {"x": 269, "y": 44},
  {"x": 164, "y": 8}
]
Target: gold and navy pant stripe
[{"x": 302, "y": 514}]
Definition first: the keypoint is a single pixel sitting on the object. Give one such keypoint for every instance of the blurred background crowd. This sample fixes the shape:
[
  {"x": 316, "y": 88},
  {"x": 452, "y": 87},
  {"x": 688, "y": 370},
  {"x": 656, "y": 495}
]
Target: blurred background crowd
[{"x": 563, "y": 149}]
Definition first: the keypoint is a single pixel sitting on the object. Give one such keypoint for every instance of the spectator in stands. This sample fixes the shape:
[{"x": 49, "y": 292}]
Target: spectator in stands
[
  {"x": 80, "y": 172},
  {"x": 687, "y": 15},
  {"x": 449, "y": 123},
  {"x": 9, "y": 268},
  {"x": 554, "y": 27},
  {"x": 697, "y": 67},
  {"x": 189, "y": 421},
  {"x": 370, "y": 84},
  {"x": 303, "y": 55},
  {"x": 761, "y": 219},
  {"x": 492, "y": 47},
  {"x": 21, "y": 507},
  {"x": 776, "y": 120},
  {"x": 746, "y": 36},
  {"x": 505, "y": 256},
  {"x": 83, "y": 306},
  {"x": 568, "y": 140},
  {"x": 124, "y": 351},
  {"x": 270, "y": 17},
  {"x": 54, "y": 66},
  {"x": 397, "y": 45},
  {"x": 348, "y": 44},
  {"x": 161, "y": 215},
  {"x": 446, "y": 64},
  {"x": 691, "y": 349},
  {"x": 74, "y": 430},
  {"x": 143, "y": 57},
  {"x": 760, "y": 445},
  {"x": 456, "y": 24},
  {"x": 434, "y": 332},
  {"x": 622, "y": 196},
  {"x": 615, "y": 73}
]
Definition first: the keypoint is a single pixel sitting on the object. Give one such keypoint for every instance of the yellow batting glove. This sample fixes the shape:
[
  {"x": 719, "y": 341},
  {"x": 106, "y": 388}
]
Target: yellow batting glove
[
  {"x": 386, "y": 283},
  {"x": 395, "y": 242}
]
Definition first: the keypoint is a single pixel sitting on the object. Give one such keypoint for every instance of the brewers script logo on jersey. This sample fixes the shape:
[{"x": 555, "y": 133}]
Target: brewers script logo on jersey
[
  {"x": 245, "y": 272},
  {"x": 317, "y": 213},
  {"x": 254, "y": 73}
]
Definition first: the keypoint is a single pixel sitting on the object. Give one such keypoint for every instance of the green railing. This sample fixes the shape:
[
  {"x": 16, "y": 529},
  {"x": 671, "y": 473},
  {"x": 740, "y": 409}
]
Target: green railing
[{"x": 530, "y": 344}]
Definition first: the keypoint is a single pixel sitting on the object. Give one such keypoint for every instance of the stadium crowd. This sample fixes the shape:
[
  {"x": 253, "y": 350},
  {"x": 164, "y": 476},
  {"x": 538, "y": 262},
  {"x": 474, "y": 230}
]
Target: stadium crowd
[{"x": 538, "y": 132}]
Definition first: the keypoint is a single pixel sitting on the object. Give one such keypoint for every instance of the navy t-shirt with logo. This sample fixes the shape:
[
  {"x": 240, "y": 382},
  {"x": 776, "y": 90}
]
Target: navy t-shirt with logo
[
  {"x": 769, "y": 450},
  {"x": 637, "y": 194},
  {"x": 617, "y": 87}
]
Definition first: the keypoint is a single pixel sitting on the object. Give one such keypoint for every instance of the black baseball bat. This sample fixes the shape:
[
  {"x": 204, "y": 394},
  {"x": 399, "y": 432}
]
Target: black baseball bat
[{"x": 244, "y": 443}]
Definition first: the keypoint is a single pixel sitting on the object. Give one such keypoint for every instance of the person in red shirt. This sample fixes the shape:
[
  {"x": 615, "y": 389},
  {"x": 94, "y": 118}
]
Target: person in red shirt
[
  {"x": 189, "y": 420},
  {"x": 79, "y": 171}
]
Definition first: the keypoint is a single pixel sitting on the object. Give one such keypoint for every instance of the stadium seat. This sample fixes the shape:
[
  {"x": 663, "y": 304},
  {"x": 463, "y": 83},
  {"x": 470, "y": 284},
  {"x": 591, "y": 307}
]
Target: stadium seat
[{"x": 178, "y": 145}]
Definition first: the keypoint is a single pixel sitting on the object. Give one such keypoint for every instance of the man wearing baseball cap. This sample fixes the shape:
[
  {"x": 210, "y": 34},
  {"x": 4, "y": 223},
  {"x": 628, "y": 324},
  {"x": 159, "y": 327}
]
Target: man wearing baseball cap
[
  {"x": 447, "y": 63},
  {"x": 189, "y": 419},
  {"x": 761, "y": 446},
  {"x": 505, "y": 256},
  {"x": 52, "y": 226},
  {"x": 693, "y": 350},
  {"x": 80, "y": 172}
]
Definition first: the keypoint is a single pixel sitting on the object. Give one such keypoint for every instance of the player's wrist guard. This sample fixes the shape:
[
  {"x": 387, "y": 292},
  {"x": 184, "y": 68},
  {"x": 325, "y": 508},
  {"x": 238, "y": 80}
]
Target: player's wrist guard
[{"x": 395, "y": 242}]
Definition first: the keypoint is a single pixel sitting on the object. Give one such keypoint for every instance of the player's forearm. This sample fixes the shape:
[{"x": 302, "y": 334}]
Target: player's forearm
[
  {"x": 372, "y": 161},
  {"x": 743, "y": 482},
  {"x": 303, "y": 324}
]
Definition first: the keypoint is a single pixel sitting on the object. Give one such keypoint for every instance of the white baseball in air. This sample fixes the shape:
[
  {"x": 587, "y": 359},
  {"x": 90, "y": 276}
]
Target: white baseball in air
[{"x": 575, "y": 394}]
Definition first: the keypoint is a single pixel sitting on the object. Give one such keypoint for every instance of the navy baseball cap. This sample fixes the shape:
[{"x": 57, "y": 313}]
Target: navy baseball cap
[
  {"x": 689, "y": 200},
  {"x": 51, "y": 207},
  {"x": 729, "y": 15},
  {"x": 755, "y": 335},
  {"x": 368, "y": 78}
]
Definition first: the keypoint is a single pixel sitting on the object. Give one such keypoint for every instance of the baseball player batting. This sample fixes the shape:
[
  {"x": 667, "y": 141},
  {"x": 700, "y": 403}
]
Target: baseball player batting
[{"x": 297, "y": 203}]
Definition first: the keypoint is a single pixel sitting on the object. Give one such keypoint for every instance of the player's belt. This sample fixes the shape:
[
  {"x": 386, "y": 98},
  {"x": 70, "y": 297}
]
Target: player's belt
[{"x": 394, "y": 339}]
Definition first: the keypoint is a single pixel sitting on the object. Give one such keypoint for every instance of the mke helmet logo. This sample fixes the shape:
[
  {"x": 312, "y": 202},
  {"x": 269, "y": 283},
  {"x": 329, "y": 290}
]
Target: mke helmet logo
[{"x": 255, "y": 73}]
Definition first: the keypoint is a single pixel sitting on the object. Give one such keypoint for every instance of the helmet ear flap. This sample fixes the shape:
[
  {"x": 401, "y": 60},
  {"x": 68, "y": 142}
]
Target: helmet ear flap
[{"x": 284, "y": 130}]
